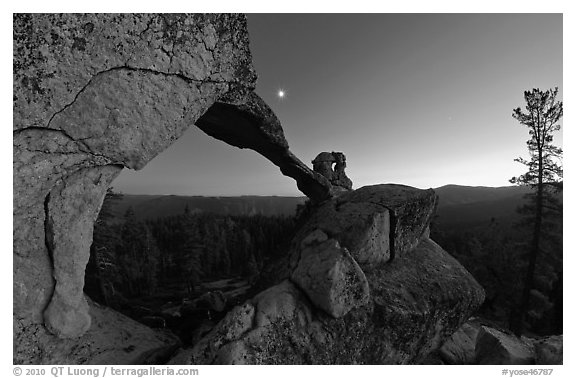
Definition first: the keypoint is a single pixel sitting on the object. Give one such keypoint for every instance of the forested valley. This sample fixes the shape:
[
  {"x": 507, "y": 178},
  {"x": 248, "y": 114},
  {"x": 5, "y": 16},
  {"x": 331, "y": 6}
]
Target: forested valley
[
  {"x": 496, "y": 252},
  {"x": 182, "y": 272},
  {"x": 185, "y": 271}
]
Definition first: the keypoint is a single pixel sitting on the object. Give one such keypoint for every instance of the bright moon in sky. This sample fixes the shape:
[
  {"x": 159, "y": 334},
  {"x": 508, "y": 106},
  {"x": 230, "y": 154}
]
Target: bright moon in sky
[{"x": 281, "y": 93}]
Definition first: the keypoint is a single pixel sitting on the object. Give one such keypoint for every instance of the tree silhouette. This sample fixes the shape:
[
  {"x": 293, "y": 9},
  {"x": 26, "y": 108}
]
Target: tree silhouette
[{"x": 544, "y": 175}]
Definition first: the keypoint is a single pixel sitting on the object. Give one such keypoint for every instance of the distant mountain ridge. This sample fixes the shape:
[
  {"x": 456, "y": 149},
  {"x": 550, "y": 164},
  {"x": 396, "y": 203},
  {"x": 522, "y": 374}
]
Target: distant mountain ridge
[
  {"x": 159, "y": 206},
  {"x": 459, "y": 206},
  {"x": 451, "y": 195},
  {"x": 463, "y": 207}
]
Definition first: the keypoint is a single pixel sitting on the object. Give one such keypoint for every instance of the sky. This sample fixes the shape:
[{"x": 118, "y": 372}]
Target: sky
[{"x": 423, "y": 100}]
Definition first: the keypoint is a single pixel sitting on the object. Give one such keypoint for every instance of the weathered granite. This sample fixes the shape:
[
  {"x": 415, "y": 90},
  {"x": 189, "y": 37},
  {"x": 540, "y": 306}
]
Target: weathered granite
[
  {"x": 411, "y": 211},
  {"x": 332, "y": 165},
  {"x": 111, "y": 339},
  {"x": 460, "y": 348},
  {"x": 494, "y": 347},
  {"x": 416, "y": 302},
  {"x": 498, "y": 347},
  {"x": 57, "y": 57},
  {"x": 374, "y": 223},
  {"x": 94, "y": 93},
  {"x": 71, "y": 210},
  {"x": 331, "y": 278}
]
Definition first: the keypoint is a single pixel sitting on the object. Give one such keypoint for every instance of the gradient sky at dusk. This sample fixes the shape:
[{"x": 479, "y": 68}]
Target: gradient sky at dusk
[{"x": 422, "y": 100}]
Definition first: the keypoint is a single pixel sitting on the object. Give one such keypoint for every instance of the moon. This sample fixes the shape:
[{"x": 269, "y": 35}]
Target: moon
[{"x": 281, "y": 93}]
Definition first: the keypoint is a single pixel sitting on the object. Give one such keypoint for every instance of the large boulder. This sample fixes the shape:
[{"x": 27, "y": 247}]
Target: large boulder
[
  {"x": 331, "y": 310},
  {"x": 416, "y": 302},
  {"x": 331, "y": 278},
  {"x": 94, "y": 93},
  {"x": 375, "y": 223}
]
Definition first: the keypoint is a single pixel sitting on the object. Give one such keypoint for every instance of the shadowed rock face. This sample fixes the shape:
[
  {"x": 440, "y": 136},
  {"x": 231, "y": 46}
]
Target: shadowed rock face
[{"x": 96, "y": 93}]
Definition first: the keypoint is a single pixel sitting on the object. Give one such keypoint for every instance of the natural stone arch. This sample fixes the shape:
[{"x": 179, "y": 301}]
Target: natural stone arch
[{"x": 95, "y": 93}]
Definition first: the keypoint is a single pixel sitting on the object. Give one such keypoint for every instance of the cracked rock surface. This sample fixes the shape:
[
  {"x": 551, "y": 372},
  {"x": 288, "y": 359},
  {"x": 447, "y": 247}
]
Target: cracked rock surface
[
  {"x": 92, "y": 94},
  {"x": 331, "y": 278},
  {"x": 57, "y": 56},
  {"x": 96, "y": 93}
]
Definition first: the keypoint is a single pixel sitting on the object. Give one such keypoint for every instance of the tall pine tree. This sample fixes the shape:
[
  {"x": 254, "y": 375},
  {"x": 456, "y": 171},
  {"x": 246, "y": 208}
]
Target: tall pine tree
[{"x": 544, "y": 175}]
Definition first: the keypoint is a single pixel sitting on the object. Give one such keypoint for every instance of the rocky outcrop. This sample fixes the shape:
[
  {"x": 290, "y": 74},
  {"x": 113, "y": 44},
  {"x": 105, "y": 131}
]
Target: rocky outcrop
[
  {"x": 374, "y": 223},
  {"x": 498, "y": 347},
  {"x": 333, "y": 311},
  {"x": 332, "y": 166},
  {"x": 94, "y": 93}
]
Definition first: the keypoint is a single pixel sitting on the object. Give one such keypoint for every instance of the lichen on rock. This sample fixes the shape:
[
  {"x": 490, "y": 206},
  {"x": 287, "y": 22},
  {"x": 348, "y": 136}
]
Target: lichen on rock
[
  {"x": 416, "y": 302},
  {"x": 94, "y": 93},
  {"x": 331, "y": 278}
]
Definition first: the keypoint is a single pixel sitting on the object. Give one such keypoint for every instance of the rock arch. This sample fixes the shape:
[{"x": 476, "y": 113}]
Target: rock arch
[{"x": 96, "y": 93}]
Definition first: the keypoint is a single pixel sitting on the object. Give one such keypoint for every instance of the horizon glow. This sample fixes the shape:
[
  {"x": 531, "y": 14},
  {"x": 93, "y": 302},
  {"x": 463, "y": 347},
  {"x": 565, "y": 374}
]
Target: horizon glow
[{"x": 423, "y": 100}]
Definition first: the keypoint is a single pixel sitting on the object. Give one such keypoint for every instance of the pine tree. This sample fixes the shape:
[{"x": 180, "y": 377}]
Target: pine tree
[{"x": 544, "y": 175}]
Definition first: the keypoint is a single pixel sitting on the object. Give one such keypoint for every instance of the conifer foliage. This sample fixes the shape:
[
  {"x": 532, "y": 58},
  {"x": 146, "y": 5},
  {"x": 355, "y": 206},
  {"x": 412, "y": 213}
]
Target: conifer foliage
[
  {"x": 173, "y": 256},
  {"x": 544, "y": 174}
]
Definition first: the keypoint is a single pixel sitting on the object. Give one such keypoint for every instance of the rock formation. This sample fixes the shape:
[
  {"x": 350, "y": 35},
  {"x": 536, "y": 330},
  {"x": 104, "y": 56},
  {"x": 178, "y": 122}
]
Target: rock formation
[
  {"x": 460, "y": 348},
  {"x": 346, "y": 300},
  {"x": 112, "y": 339},
  {"x": 332, "y": 165},
  {"x": 96, "y": 93},
  {"x": 479, "y": 342}
]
